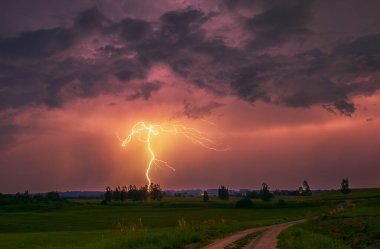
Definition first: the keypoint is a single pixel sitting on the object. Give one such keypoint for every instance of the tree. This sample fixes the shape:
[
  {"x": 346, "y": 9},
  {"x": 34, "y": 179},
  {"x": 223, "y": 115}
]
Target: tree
[
  {"x": 265, "y": 194},
  {"x": 123, "y": 193},
  {"x": 205, "y": 196},
  {"x": 345, "y": 186},
  {"x": 138, "y": 194},
  {"x": 223, "y": 193},
  {"x": 26, "y": 195},
  {"x": 132, "y": 192},
  {"x": 143, "y": 193},
  {"x": 108, "y": 194},
  {"x": 306, "y": 188},
  {"x": 116, "y": 193},
  {"x": 155, "y": 191}
]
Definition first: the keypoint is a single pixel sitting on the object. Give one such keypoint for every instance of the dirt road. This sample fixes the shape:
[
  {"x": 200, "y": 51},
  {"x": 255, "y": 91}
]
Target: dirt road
[{"x": 267, "y": 240}]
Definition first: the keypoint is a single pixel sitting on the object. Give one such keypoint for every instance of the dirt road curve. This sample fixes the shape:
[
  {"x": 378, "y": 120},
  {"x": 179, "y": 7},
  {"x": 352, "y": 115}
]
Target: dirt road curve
[{"x": 267, "y": 240}]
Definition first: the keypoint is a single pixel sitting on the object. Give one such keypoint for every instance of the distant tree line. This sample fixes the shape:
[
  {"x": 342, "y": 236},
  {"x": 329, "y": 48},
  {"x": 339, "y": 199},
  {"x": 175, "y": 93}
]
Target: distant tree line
[
  {"x": 153, "y": 191},
  {"x": 26, "y": 197},
  {"x": 303, "y": 190},
  {"x": 266, "y": 195}
]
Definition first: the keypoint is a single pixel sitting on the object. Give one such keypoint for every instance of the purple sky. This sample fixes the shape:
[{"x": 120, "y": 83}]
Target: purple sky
[{"x": 291, "y": 86}]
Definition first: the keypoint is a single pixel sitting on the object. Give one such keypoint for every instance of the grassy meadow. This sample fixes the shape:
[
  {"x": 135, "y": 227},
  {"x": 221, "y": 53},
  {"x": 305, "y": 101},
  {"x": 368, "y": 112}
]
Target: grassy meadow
[
  {"x": 357, "y": 226},
  {"x": 173, "y": 222}
]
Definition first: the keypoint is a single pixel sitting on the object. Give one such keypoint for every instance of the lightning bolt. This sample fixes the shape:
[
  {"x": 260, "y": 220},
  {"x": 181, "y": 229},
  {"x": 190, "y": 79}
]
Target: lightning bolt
[{"x": 145, "y": 132}]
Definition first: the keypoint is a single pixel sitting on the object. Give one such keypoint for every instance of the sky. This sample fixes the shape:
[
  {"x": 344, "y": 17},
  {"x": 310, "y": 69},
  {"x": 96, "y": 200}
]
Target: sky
[{"x": 291, "y": 87}]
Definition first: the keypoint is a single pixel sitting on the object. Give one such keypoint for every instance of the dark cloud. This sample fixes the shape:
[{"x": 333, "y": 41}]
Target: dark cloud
[
  {"x": 47, "y": 73},
  {"x": 181, "y": 42},
  {"x": 124, "y": 75},
  {"x": 91, "y": 19},
  {"x": 313, "y": 77},
  {"x": 178, "y": 31},
  {"x": 359, "y": 56},
  {"x": 96, "y": 55},
  {"x": 53, "y": 82},
  {"x": 365, "y": 45},
  {"x": 36, "y": 44},
  {"x": 134, "y": 30},
  {"x": 17, "y": 16},
  {"x": 145, "y": 90},
  {"x": 181, "y": 23},
  {"x": 279, "y": 22},
  {"x": 248, "y": 85},
  {"x": 195, "y": 111},
  {"x": 127, "y": 70},
  {"x": 238, "y": 4},
  {"x": 340, "y": 107}
]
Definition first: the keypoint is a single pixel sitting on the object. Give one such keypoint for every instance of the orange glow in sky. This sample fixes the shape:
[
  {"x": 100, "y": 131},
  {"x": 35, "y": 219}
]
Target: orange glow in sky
[{"x": 145, "y": 132}]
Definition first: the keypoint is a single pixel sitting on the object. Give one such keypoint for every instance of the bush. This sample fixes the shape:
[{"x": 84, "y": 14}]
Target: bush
[{"x": 244, "y": 203}]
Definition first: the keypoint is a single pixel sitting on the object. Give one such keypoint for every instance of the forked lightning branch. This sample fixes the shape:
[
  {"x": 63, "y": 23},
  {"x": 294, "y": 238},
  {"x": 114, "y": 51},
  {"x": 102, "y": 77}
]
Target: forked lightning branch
[{"x": 145, "y": 132}]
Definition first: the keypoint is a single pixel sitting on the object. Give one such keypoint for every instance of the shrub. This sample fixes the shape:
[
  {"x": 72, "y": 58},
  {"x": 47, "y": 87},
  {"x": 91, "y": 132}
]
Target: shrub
[{"x": 244, "y": 203}]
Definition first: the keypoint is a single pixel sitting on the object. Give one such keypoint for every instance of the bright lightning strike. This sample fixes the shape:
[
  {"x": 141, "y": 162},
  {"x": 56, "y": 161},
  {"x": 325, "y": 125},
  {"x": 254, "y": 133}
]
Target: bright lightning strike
[{"x": 145, "y": 132}]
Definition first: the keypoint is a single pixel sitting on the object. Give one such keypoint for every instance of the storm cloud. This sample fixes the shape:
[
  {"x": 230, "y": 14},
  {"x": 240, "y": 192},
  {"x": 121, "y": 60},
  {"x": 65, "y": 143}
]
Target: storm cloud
[
  {"x": 42, "y": 67},
  {"x": 84, "y": 66}
]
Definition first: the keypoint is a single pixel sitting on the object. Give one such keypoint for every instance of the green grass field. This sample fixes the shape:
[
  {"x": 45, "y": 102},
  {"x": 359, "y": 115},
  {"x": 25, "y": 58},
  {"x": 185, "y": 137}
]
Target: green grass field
[
  {"x": 358, "y": 226},
  {"x": 174, "y": 222}
]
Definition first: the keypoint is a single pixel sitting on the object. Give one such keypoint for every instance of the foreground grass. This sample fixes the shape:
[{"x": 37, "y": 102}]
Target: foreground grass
[
  {"x": 358, "y": 228},
  {"x": 171, "y": 223},
  {"x": 144, "y": 238},
  {"x": 133, "y": 235},
  {"x": 300, "y": 238}
]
